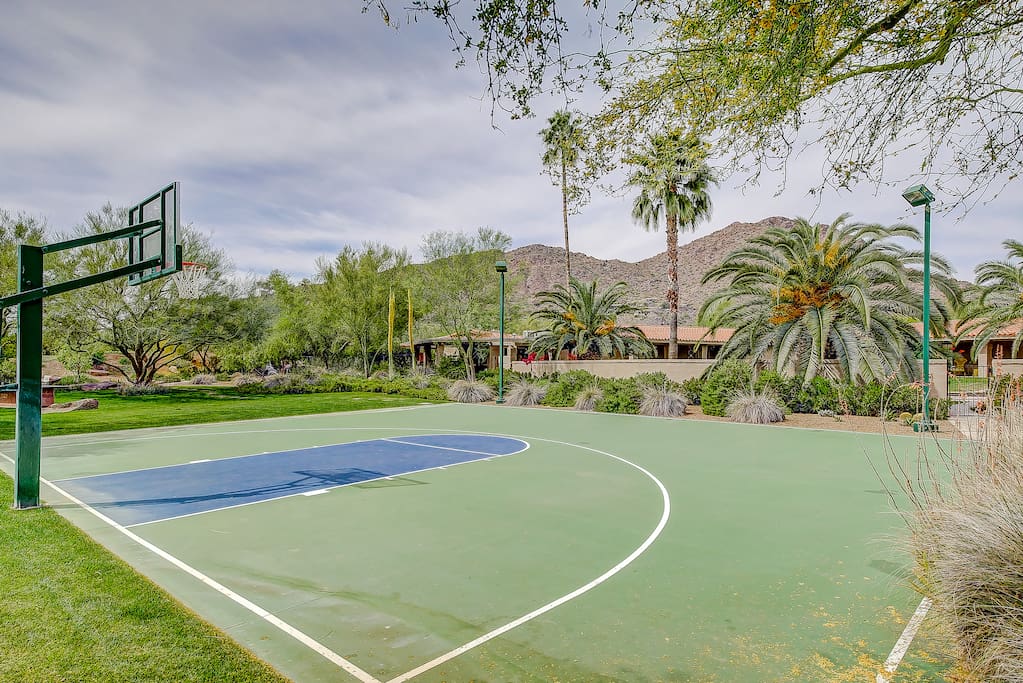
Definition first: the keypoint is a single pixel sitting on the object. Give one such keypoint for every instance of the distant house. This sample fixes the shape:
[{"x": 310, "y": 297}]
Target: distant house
[
  {"x": 997, "y": 350},
  {"x": 691, "y": 342}
]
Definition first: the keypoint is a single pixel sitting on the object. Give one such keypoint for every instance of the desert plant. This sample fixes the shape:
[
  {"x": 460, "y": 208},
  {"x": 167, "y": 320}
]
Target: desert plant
[
  {"x": 662, "y": 402},
  {"x": 965, "y": 539},
  {"x": 204, "y": 379},
  {"x": 724, "y": 380},
  {"x": 620, "y": 396},
  {"x": 588, "y": 398},
  {"x": 142, "y": 389},
  {"x": 525, "y": 392},
  {"x": 470, "y": 391},
  {"x": 691, "y": 389},
  {"x": 565, "y": 388},
  {"x": 755, "y": 407}
]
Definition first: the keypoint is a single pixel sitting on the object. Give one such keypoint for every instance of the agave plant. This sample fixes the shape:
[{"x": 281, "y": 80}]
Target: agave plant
[
  {"x": 470, "y": 391},
  {"x": 580, "y": 318},
  {"x": 754, "y": 407},
  {"x": 525, "y": 392},
  {"x": 588, "y": 398},
  {"x": 662, "y": 402}
]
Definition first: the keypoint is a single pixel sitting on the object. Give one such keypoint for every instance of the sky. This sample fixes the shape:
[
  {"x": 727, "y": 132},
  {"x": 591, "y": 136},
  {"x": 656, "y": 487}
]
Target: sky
[{"x": 298, "y": 128}]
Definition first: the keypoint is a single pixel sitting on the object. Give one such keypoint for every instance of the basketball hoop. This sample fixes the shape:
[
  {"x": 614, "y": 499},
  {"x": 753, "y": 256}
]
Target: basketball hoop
[{"x": 191, "y": 280}]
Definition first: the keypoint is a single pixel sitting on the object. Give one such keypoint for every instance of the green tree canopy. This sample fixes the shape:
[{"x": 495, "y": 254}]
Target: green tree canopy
[
  {"x": 997, "y": 302},
  {"x": 15, "y": 229},
  {"x": 672, "y": 177},
  {"x": 585, "y": 320},
  {"x": 868, "y": 77},
  {"x": 458, "y": 287},
  {"x": 802, "y": 295},
  {"x": 149, "y": 324},
  {"x": 564, "y": 140}
]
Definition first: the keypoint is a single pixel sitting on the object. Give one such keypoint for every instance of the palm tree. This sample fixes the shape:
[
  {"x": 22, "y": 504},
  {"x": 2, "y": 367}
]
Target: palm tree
[
  {"x": 799, "y": 295},
  {"x": 999, "y": 301},
  {"x": 579, "y": 317},
  {"x": 673, "y": 178},
  {"x": 563, "y": 138}
]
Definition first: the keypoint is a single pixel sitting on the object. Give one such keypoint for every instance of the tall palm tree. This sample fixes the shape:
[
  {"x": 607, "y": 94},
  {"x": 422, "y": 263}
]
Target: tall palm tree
[
  {"x": 580, "y": 318},
  {"x": 673, "y": 178},
  {"x": 999, "y": 300},
  {"x": 799, "y": 295},
  {"x": 564, "y": 139}
]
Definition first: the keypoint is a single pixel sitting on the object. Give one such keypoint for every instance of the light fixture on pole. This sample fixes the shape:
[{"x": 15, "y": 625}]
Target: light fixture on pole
[
  {"x": 919, "y": 195},
  {"x": 501, "y": 267}
]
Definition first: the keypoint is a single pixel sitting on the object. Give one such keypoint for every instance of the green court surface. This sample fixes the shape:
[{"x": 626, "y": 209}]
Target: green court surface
[{"x": 614, "y": 548}]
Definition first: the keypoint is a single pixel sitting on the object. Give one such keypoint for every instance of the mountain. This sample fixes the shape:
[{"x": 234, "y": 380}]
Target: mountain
[{"x": 538, "y": 268}]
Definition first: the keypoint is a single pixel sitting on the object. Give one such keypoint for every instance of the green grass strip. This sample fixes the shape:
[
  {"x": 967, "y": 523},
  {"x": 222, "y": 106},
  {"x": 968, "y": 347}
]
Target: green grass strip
[
  {"x": 194, "y": 405},
  {"x": 71, "y": 611}
]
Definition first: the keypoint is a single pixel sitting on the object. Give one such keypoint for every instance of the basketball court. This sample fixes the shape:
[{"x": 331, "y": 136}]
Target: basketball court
[{"x": 484, "y": 543}]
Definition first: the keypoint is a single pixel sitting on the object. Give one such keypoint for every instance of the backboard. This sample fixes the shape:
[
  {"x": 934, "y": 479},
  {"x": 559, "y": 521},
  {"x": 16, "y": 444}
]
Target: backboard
[{"x": 160, "y": 241}]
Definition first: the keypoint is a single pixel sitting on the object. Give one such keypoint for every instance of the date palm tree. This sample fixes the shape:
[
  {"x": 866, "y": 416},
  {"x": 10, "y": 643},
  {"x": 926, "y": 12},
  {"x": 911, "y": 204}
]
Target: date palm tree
[
  {"x": 564, "y": 139},
  {"x": 673, "y": 178},
  {"x": 797, "y": 296},
  {"x": 998, "y": 302},
  {"x": 585, "y": 320}
]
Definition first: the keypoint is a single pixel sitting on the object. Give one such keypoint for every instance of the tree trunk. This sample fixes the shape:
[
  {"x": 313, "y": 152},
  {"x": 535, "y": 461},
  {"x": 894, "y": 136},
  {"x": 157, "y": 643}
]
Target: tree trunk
[
  {"x": 672, "y": 234},
  {"x": 564, "y": 218}
]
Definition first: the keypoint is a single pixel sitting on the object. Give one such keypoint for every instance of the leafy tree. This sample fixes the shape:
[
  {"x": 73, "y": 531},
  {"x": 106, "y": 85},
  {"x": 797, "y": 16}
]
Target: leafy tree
[
  {"x": 354, "y": 296},
  {"x": 298, "y": 327},
  {"x": 874, "y": 77},
  {"x": 15, "y": 229},
  {"x": 580, "y": 318},
  {"x": 799, "y": 296},
  {"x": 458, "y": 287},
  {"x": 564, "y": 139},
  {"x": 673, "y": 178},
  {"x": 148, "y": 324},
  {"x": 998, "y": 302}
]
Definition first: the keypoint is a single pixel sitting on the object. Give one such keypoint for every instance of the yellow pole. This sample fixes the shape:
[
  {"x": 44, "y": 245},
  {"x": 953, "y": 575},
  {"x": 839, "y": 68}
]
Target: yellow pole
[
  {"x": 390, "y": 336},
  {"x": 411, "y": 344}
]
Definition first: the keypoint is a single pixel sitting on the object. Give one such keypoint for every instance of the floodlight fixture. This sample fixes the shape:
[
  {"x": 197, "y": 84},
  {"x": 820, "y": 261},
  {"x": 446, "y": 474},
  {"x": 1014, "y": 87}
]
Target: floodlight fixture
[
  {"x": 501, "y": 266},
  {"x": 918, "y": 195}
]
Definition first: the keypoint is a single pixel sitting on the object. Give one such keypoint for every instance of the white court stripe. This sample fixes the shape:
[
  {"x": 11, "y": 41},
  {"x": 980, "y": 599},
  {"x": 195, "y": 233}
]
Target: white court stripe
[
  {"x": 565, "y": 598},
  {"x": 264, "y": 614},
  {"x": 904, "y": 641},
  {"x": 316, "y": 492},
  {"x": 452, "y": 448}
]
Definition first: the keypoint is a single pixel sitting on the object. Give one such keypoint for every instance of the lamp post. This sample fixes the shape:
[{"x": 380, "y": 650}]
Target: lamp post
[
  {"x": 916, "y": 196},
  {"x": 501, "y": 267}
]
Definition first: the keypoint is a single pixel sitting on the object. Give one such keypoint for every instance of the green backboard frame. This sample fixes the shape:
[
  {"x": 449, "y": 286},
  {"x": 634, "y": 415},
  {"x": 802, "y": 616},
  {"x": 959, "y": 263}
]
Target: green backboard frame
[{"x": 160, "y": 241}]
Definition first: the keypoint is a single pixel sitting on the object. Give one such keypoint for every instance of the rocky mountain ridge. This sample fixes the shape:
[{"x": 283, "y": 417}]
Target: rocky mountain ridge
[{"x": 538, "y": 267}]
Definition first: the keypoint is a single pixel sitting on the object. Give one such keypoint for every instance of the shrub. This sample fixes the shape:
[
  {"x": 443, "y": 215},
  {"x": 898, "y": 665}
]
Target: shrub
[
  {"x": 662, "y": 402},
  {"x": 620, "y": 396},
  {"x": 965, "y": 539},
  {"x": 755, "y": 407},
  {"x": 465, "y": 391},
  {"x": 451, "y": 367},
  {"x": 588, "y": 398},
  {"x": 8, "y": 370},
  {"x": 564, "y": 388},
  {"x": 724, "y": 380},
  {"x": 526, "y": 392},
  {"x": 204, "y": 379},
  {"x": 692, "y": 388},
  {"x": 142, "y": 389}
]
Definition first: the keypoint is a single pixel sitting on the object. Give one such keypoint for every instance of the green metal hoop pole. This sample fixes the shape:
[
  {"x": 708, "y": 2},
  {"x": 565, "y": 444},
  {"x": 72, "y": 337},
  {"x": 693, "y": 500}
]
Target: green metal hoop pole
[
  {"x": 926, "y": 422},
  {"x": 28, "y": 431}
]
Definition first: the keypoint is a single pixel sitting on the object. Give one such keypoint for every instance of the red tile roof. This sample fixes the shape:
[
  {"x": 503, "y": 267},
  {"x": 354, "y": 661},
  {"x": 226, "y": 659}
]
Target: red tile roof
[
  {"x": 1008, "y": 332},
  {"x": 687, "y": 334}
]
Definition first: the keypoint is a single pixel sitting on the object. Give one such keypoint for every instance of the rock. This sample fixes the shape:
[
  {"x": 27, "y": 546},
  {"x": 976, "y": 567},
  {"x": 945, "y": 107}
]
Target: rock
[{"x": 84, "y": 404}]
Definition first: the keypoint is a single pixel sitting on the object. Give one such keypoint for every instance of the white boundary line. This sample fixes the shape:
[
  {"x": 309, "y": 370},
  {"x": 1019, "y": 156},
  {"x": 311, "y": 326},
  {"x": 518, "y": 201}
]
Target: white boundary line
[
  {"x": 665, "y": 515},
  {"x": 904, "y": 641},
  {"x": 262, "y": 613}
]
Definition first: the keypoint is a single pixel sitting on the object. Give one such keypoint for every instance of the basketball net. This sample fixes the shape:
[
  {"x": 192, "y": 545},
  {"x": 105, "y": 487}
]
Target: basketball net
[{"x": 191, "y": 280}]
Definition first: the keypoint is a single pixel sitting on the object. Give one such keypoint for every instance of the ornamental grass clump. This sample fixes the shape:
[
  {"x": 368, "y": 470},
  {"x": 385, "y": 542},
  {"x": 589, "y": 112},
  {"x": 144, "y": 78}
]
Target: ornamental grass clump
[
  {"x": 966, "y": 537},
  {"x": 525, "y": 392},
  {"x": 204, "y": 379},
  {"x": 754, "y": 407},
  {"x": 662, "y": 402},
  {"x": 588, "y": 398},
  {"x": 470, "y": 391}
]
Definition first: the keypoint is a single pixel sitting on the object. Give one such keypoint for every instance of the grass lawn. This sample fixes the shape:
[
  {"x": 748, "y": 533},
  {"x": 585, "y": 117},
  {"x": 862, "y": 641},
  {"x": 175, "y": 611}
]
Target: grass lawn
[
  {"x": 71, "y": 611},
  {"x": 193, "y": 405}
]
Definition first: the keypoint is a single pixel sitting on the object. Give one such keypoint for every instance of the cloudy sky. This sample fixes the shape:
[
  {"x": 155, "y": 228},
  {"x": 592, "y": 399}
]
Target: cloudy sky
[{"x": 297, "y": 128}]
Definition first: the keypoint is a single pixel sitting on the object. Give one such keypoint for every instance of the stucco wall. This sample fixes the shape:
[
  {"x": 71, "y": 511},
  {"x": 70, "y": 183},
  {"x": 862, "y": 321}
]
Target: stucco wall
[{"x": 677, "y": 370}]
